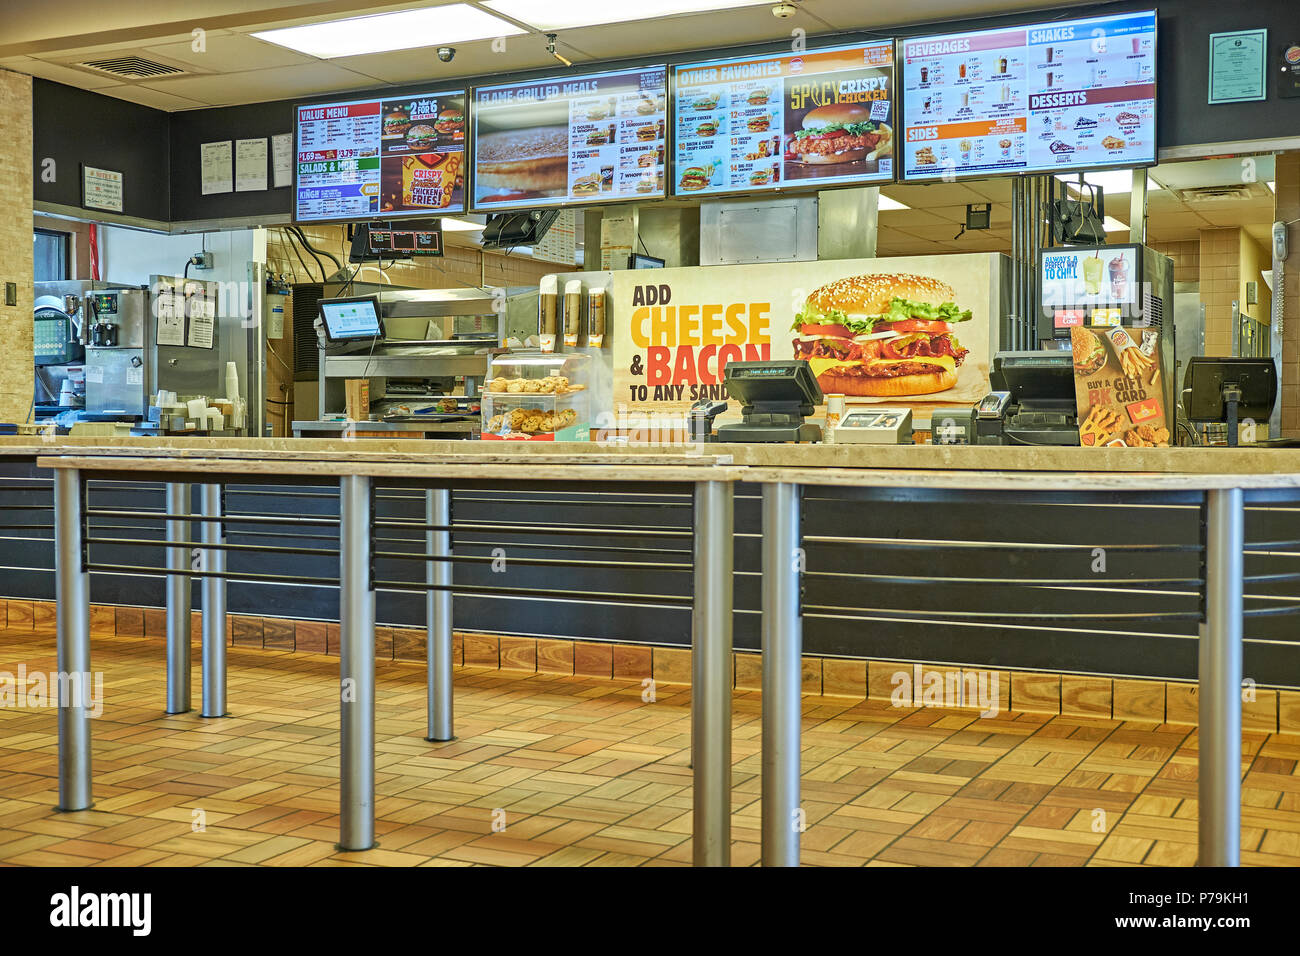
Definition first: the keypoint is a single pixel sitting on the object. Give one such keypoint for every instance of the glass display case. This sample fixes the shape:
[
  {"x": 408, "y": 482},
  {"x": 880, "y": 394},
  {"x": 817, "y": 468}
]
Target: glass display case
[{"x": 536, "y": 396}]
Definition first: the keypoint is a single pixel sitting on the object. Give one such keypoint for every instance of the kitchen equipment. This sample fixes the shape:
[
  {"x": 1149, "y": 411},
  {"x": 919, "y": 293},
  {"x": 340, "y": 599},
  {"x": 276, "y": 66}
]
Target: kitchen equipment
[{"x": 875, "y": 426}]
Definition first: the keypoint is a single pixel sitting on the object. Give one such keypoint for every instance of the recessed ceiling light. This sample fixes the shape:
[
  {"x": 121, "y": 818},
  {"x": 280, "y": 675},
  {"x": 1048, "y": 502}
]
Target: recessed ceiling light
[
  {"x": 553, "y": 15},
  {"x": 404, "y": 30},
  {"x": 1110, "y": 181},
  {"x": 886, "y": 203},
  {"x": 450, "y": 224}
]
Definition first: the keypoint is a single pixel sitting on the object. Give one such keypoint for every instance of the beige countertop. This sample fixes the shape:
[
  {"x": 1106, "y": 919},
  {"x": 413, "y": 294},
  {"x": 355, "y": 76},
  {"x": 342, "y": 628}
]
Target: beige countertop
[{"x": 916, "y": 465}]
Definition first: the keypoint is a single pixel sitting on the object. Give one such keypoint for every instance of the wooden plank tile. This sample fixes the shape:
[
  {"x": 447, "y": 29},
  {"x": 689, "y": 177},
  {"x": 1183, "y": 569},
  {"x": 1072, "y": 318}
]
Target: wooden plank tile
[
  {"x": 554, "y": 657},
  {"x": 632, "y": 661},
  {"x": 129, "y": 621},
  {"x": 409, "y": 643},
  {"x": 844, "y": 677},
  {"x": 812, "y": 676},
  {"x": 383, "y": 643},
  {"x": 749, "y": 671},
  {"x": 1138, "y": 700},
  {"x": 882, "y": 679},
  {"x": 246, "y": 631},
  {"x": 593, "y": 660},
  {"x": 309, "y": 636},
  {"x": 21, "y": 615},
  {"x": 1085, "y": 696},
  {"x": 672, "y": 665},
  {"x": 331, "y": 637},
  {"x": 1288, "y": 712},
  {"x": 1262, "y": 712},
  {"x": 278, "y": 634},
  {"x": 1033, "y": 693},
  {"x": 518, "y": 654},
  {"x": 1181, "y": 703},
  {"x": 44, "y": 615},
  {"x": 155, "y": 622},
  {"x": 482, "y": 650},
  {"x": 103, "y": 619}
]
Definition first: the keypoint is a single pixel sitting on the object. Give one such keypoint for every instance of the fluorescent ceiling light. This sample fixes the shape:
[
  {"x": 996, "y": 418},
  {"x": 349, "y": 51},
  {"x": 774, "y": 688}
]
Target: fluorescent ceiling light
[
  {"x": 564, "y": 14},
  {"x": 405, "y": 30},
  {"x": 1272, "y": 186},
  {"x": 451, "y": 224},
  {"x": 1111, "y": 181},
  {"x": 1111, "y": 224},
  {"x": 887, "y": 203}
]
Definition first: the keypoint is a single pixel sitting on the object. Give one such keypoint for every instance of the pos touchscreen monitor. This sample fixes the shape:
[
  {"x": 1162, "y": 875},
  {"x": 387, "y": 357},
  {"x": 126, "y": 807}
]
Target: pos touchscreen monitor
[{"x": 352, "y": 318}]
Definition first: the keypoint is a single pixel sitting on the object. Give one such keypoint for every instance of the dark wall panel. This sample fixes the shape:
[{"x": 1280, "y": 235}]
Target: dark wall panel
[{"x": 74, "y": 126}]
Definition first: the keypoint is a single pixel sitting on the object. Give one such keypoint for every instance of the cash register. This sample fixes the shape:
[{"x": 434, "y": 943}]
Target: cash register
[
  {"x": 1032, "y": 401},
  {"x": 775, "y": 398}
]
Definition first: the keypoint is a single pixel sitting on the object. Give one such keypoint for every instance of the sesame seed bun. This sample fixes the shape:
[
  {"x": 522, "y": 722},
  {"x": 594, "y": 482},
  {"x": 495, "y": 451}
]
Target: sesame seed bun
[
  {"x": 871, "y": 294},
  {"x": 836, "y": 113}
]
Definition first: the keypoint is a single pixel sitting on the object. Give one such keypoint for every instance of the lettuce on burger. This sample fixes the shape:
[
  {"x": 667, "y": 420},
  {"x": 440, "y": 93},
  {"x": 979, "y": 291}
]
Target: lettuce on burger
[
  {"x": 841, "y": 133},
  {"x": 881, "y": 335}
]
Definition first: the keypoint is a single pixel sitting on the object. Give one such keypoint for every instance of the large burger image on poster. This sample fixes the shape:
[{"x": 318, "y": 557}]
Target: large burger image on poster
[{"x": 889, "y": 335}]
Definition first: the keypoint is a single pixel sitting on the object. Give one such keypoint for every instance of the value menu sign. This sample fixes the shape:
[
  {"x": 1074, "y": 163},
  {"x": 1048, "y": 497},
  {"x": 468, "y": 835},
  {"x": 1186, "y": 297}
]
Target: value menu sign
[
  {"x": 392, "y": 156},
  {"x": 1072, "y": 94},
  {"x": 594, "y": 138},
  {"x": 809, "y": 119}
]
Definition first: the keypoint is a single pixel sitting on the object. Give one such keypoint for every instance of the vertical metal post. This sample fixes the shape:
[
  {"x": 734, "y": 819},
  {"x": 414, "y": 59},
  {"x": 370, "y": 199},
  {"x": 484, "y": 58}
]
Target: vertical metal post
[
  {"x": 1219, "y": 728},
  {"x": 711, "y": 672},
  {"x": 356, "y": 667},
  {"x": 782, "y": 675},
  {"x": 438, "y": 618},
  {"x": 214, "y": 605},
  {"x": 72, "y": 589},
  {"x": 178, "y": 601}
]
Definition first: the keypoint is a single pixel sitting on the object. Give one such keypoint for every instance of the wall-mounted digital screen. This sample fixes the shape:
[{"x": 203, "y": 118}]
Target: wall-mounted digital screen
[
  {"x": 356, "y": 317},
  {"x": 596, "y": 138},
  {"x": 1058, "y": 96},
  {"x": 815, "y": 118},
  {"x": 395, "y": 156}
]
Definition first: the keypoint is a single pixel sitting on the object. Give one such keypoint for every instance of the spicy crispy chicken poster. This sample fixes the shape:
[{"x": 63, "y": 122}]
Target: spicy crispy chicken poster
[{"x": 912, "y": 331}]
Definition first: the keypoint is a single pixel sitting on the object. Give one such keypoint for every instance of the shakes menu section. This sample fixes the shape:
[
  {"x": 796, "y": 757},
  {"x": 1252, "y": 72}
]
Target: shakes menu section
[
  {"x": 399, "y": 156},
  {"x": 812, "y": 119},
  {"x": 594, "y": 138},
  {"x": 1071, "y": 94}
]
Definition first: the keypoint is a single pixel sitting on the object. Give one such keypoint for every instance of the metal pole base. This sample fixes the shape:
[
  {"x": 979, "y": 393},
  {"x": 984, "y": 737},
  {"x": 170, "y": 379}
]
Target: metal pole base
[
  {"x": 782, "y": 676},
  {"x": 440, "y": 686}
]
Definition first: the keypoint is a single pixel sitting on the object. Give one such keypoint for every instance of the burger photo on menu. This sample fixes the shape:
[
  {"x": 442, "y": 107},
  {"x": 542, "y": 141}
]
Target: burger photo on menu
[
  {"x": 450, "y": 122},
  {"x": 421, "y": 136},
  {"x": 709, "y": 101},
  {"x": 758, "y": 98},
  {"x": 521, "y": 164},
  {"x": 888, "y": 335},
  {"x": 587, "y": 185},
  {"x": 695, "y": 178},
  {"x": 397, "y": 121},
  {"x": 840, "y": 133},
  {"x": 646, "y": 133},
  {"x": 707, "y": 128},
  {"x": 759, "y": 124}
]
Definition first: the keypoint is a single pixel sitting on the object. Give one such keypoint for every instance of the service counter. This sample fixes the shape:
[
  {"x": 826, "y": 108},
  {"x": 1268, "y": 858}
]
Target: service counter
[{"x": 1123, "y": 562}]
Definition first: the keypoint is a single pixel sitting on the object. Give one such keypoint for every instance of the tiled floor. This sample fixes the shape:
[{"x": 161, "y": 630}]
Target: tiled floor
[{"x": 584, "y": 772}]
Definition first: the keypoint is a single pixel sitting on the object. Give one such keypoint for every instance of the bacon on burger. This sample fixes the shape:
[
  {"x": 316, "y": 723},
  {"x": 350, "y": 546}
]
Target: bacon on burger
[
  {"x": 841, "y": 133},
  {"x": 881, "y": 335}
]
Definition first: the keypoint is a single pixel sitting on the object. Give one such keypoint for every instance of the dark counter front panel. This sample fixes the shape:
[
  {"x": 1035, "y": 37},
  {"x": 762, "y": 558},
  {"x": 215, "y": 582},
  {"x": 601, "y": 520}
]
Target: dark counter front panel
[{"x": 1109, "y": 585}]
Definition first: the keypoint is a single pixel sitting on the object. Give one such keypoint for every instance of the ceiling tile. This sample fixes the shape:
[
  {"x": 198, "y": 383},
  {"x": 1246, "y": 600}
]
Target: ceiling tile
[
  {"x": 159, "y": 101},
  {"x": 286, "y": 82},
  {"x": 69, "y": 76},
  {"x": 226, "y": 52},
  {"x": 472, "y": 60}
]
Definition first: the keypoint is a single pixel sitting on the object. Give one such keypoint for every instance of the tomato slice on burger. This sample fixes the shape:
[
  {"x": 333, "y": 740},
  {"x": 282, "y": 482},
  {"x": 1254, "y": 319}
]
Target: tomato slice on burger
[
  {"x": 828, "y": 331},
  {"x": 935, "y": 327}
]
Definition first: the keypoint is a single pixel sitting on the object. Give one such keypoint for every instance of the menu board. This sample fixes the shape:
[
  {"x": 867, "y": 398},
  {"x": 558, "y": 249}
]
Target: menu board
[
  {"x": 1065, "y": 95},
  {"x": 593, "y": 138},
  {"x": 808, "y": 119},
  {"x": 396, "y": 156}
]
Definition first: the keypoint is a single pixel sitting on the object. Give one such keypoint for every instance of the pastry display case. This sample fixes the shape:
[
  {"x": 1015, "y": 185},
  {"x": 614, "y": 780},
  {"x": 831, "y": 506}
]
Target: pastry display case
[{"x": 536, "y": 396}]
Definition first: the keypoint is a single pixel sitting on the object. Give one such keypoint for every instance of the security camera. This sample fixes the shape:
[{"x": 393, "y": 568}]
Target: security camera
[
  {"x": 784, "y": 11},
  {"x": 446, "y": 53}
]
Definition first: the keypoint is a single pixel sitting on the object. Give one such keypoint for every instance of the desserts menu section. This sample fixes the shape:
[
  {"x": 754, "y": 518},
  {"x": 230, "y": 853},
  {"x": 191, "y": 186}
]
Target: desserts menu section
[
  {"x": 1071, "y": 94},
  {"x": 814, "y": 118},
  {"x": 399, "y": 156},
  {"x": 594, "y": 138}
]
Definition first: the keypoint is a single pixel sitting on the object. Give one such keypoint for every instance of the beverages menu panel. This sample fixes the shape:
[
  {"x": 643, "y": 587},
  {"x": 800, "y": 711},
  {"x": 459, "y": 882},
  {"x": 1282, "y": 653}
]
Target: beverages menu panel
[
  {"x": 594, "y": 138},
  {"x": 809, "y": 119},
  {"x": 399, "y": 156},
  {"x": 1066, "y": 95}
]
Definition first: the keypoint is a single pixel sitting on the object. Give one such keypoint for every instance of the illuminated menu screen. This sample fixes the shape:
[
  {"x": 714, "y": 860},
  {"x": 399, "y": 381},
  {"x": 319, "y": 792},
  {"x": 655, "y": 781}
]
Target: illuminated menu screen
[
  {"x": 1066, "y": 95},
  {"x": 810, "y": 119},
  {"x": 594, "y": 138},
  {"x": 394, "y": 156}
]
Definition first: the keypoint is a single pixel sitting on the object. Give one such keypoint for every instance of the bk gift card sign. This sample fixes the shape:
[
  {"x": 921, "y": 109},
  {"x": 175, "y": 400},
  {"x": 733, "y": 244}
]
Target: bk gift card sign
[{"x": 1117, "y": 387}]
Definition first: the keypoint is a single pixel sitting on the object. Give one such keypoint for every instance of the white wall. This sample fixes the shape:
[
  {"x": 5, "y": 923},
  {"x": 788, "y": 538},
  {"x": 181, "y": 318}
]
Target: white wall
[{"x": 132, "y": 256}]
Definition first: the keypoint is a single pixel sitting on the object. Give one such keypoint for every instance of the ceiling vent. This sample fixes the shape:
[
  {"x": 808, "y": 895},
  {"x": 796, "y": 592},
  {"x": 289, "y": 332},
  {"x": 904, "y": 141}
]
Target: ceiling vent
[
  {"x": 131, "y": 68},
  {"x": 1201, "y": 194}
]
